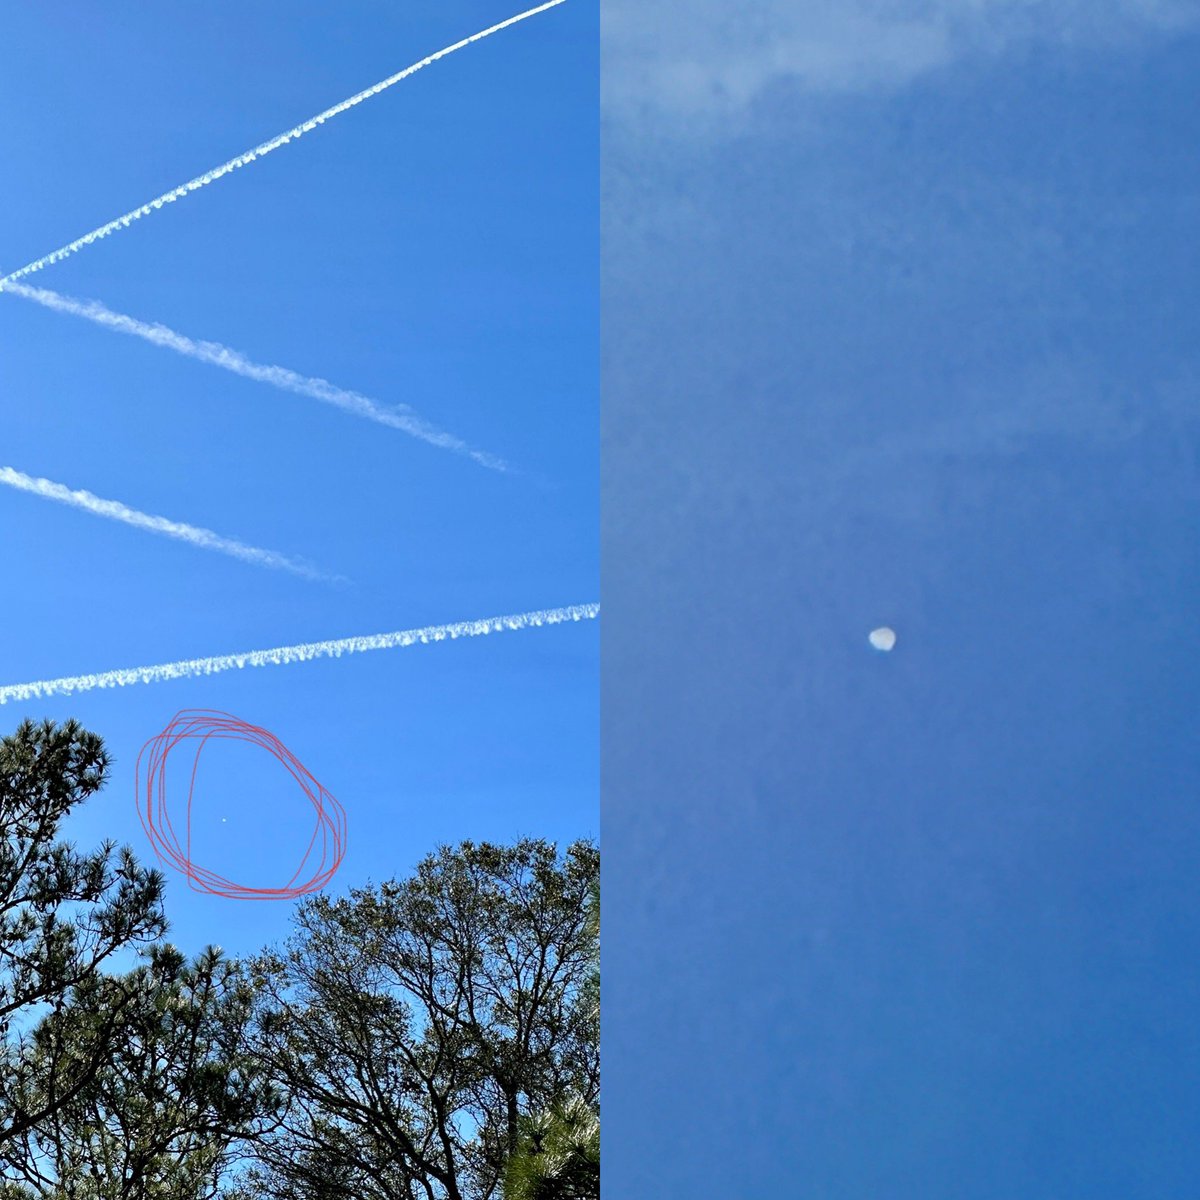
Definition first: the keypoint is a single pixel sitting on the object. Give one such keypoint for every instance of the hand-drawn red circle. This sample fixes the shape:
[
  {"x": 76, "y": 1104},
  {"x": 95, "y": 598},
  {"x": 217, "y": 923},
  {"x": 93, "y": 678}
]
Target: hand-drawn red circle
[{"x": 202, "y": 725}]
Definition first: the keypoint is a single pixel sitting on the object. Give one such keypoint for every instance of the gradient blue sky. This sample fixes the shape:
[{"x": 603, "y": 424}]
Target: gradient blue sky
[
  {"x": 900, "y": 326},
  {"x": 435, "y": 246}
]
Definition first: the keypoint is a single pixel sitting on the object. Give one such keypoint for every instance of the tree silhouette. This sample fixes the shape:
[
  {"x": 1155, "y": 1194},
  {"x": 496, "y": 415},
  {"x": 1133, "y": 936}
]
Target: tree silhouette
[
  {"x": 63, "y": 916},
  {"x": 416, "y": 1024}
]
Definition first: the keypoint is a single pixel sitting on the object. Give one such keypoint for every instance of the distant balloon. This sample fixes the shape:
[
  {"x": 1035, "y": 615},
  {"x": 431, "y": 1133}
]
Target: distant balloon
[{"x": 882, "y": 638}]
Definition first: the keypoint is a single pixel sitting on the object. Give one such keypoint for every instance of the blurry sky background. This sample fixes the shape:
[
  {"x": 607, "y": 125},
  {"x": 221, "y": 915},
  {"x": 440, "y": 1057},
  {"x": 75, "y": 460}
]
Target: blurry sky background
[
  {"x": 435, "y": 246},
  {"x": 899, "y": 313}
]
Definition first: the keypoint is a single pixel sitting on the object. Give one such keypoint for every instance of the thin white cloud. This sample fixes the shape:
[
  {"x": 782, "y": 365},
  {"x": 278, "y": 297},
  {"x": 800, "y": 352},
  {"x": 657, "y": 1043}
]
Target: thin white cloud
[
  {"x": 123, "y": 222},
  {"x": 283, "y": 655},
  {"x": 398, "y": 417},
  {"x": 703, "y": 66},
  {"x": 114, "y": 510}
]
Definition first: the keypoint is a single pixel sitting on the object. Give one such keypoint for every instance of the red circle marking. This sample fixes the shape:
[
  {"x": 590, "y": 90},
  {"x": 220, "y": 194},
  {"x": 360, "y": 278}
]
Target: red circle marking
[{"x": 201, "y": 725}]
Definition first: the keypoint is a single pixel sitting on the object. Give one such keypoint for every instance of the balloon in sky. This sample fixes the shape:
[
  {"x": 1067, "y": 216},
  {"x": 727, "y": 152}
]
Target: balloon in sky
[{"x": 882, "y": 638}]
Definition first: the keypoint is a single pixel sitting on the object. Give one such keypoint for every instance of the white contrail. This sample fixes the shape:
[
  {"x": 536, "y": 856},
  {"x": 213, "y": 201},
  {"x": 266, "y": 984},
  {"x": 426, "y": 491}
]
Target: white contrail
[
  {"x": 205, "y": 539},
  {"x": 282, "y": 655},
  {"x": 400, "y": 417},
  {"x": 259, "y": 151}
]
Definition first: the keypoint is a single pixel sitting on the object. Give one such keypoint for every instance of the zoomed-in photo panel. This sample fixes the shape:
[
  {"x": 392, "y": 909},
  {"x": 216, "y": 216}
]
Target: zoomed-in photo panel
[
  {"x": 901, "y": 486},
  {"x": 299, "y": 612}
]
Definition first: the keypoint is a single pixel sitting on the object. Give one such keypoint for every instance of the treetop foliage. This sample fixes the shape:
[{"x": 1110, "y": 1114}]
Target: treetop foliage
[{"x": 427, "y": 1038}]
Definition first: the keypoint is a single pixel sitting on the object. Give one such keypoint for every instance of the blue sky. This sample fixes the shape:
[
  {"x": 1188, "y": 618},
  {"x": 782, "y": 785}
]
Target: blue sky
[
  {"x": 900, "y": 328},
  {"x": 436, "y": 246}
]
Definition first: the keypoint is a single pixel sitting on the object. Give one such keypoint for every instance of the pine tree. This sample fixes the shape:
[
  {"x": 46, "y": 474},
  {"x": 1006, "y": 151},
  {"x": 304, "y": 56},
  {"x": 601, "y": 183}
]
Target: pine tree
[{"x": 64, "y": 915}]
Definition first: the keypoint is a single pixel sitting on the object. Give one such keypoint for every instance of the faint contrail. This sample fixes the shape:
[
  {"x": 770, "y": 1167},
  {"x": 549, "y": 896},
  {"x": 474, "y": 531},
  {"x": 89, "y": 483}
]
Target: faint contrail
[
  {"x": 282, "y": 655},
  {"x": 205, "y": 539},
  {"x": 399, "y": 417},
  {"x": 259, "y": 151}
]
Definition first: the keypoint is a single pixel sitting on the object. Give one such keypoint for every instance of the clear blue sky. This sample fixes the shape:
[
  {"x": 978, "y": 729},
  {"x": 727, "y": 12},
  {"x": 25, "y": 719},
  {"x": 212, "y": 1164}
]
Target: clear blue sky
[
  {"x": 435, "y": 246},
  {"x": 900, "y": 326}
]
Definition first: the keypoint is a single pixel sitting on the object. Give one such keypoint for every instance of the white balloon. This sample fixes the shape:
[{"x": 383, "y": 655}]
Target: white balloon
[{"x": 882, "y": 638}]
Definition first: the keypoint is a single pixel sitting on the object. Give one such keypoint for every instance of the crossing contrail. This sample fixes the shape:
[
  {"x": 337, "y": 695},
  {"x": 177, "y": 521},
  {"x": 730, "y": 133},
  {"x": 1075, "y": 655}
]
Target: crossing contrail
[
  {"x": 261, "y": 150},
  {"x": 282, "y": 655},
  {"x": 204, "y": 539},
  {"x": 398, "y": 417}
]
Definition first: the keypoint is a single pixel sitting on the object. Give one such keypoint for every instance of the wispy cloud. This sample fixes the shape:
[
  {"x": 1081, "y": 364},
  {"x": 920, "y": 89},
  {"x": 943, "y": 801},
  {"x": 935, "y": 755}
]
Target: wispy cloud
[
  {"x": 260, "y": 151},
  {"x": 397, "y": 417},
  {"x": 699, "y": 73},
  {"x": 114, "y": 510},
  {"x": 283, "y": 655}
]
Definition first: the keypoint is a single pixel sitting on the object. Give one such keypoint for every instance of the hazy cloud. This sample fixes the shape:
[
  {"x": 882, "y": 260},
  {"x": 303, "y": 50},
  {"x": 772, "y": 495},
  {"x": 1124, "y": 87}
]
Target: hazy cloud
[{"x": 705, "y": 69}]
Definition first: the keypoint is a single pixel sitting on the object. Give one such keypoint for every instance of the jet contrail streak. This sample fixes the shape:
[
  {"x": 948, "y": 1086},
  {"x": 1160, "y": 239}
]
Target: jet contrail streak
[
  {"x": 283, "y": 655},
  {"x": 399, "y": 417},
  {"x": 259, "y": 151},
  {"x": 204, "y": 539}
]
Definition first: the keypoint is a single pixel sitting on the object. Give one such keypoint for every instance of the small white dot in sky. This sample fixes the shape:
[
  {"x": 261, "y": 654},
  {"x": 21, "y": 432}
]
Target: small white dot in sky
[
  {"x": 222, "y": 820},
  {"x": 882, "y": 638}
]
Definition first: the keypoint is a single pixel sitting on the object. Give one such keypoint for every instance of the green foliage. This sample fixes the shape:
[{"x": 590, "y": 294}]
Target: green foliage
[
  {"x": 163, "y": 1118},
  {"x": 559, "y": 1155},
  {"x": 415, "y": 1024},
  {"x": 431, "y": 1038},
  {"x": 63, "y": 914}
]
